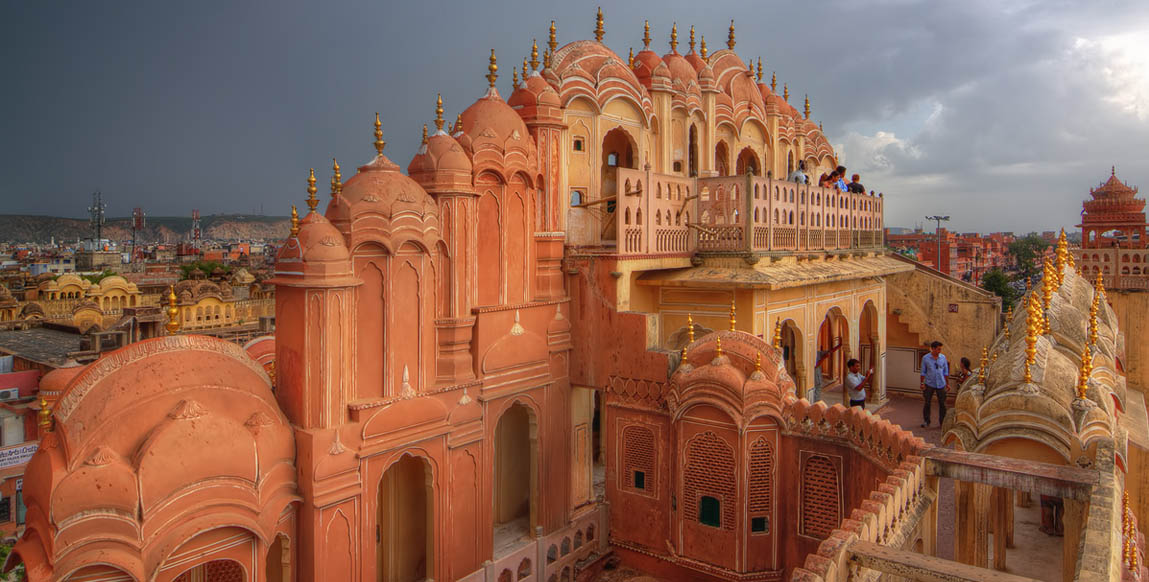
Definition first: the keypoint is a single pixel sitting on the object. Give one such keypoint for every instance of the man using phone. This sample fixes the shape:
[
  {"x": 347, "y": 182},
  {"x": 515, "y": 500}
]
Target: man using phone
[
  {"x": 935, "y": 371},
  {"x": 856, "y": 383}
]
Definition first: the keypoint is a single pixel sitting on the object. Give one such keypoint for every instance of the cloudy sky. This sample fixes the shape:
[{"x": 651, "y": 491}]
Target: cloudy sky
[{"x": 999, "y": 113}]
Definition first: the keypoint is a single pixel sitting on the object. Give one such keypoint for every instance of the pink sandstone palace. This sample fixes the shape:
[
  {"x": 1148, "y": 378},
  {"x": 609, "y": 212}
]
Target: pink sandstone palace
[{"x": 580, "y": 329}]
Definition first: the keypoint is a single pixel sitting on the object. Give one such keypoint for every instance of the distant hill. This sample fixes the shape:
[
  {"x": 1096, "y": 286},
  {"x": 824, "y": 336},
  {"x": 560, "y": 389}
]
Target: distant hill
[{"x": 166, "y": 229}]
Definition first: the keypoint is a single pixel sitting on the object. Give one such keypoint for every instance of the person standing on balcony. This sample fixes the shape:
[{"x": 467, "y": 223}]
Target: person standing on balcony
[
  {"x": 856, "y": 187},
  {"x": 856, "y": 383},
  {"x": 799, "y": 174},
  {"x": 819, "y": 378},
  {"x": 840, "y": 184},
  {"x": 935, "y": 371},
  {"x": 828, "y": 180}
]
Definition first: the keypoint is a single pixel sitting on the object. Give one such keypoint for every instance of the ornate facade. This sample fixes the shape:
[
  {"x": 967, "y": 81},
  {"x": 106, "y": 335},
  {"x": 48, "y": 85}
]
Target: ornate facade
[{"x": 1113, "y": 242}]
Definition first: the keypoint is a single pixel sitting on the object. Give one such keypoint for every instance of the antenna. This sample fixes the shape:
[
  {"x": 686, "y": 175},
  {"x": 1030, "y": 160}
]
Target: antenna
[
  {"x": 139, "y": 219},
  {"x": 96, "y": 214},
  {"x": 195, "y": 228}
]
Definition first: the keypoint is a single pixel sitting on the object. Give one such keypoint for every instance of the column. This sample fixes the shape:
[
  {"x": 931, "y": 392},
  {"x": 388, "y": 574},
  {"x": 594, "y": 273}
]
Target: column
[
  {"x": 1002, "y": 524},
  {"x": 971, "y": 531},
  {"x": 1074, "y": 521},
  {"x": 930, "y": 521}
]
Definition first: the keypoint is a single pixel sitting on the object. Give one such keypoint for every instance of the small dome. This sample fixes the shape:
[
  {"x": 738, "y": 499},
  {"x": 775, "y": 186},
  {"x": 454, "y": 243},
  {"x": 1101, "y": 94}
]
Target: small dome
[
  {"x": 534, "y": 92},
  {"x": 54, "y": 382},
  {"x": 440, "y": 153},
  {"x": 696, "y": 61},
  {"x": 490, "y": 118},
  {"x": 317, "y": 252},
  {"x": 381, "y": 185},
  {"x": 681, "y": 72},
  {"x": 645, "y": 62}
]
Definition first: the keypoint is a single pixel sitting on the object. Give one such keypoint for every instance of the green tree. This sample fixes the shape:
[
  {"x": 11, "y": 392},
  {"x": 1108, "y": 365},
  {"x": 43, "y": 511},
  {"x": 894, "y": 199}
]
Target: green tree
[
  {"x": 997, "y": 282},
  {"x": 1027, "y": 252}
]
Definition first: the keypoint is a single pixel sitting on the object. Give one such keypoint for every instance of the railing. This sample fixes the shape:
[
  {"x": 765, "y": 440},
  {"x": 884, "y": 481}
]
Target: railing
[
  {"x": 1120, "y": 268},
  {"x": 663, "y": 214},
  {"x": 552, "y": 557}
]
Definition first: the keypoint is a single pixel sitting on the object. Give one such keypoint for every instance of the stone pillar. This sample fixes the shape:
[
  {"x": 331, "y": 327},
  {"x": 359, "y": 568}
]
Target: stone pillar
[
  {"x": 1074, "y": 520},
  {"x": 929, "y": 527},
  {"x": 971, "y": 531},
  {"x": 1002, "y": 524}
]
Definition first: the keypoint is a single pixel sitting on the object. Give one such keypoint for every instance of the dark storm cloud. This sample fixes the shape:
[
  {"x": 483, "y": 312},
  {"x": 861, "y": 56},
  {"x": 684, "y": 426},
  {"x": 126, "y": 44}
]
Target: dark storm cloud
[{"x": 1000, "y": 113}]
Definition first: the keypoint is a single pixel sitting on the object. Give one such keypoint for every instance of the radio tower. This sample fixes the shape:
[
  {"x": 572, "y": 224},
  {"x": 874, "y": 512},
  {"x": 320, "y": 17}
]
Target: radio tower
[
  {"x": 139, "y": 219},
  {"x": 195, "y": 229},
  {"x": 96, "y": 215}
]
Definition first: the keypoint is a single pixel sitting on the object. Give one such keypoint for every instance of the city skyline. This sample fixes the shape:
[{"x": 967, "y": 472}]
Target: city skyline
[{"x": 226, "y": 111}]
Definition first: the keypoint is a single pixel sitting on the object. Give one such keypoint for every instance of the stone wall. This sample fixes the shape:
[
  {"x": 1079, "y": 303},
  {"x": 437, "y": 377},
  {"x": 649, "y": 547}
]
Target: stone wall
[{"x": 1131, "y": 307}]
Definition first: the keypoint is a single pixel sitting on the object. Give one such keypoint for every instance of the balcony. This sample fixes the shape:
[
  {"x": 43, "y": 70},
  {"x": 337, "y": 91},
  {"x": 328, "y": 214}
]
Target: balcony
[{"x": 658, "y": 214}]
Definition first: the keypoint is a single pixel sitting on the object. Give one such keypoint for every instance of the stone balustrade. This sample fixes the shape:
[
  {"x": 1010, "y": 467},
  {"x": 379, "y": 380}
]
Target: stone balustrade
[{"x": 556, "y": 557}]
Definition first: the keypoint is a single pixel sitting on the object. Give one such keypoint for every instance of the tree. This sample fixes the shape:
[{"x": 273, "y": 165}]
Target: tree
[
  {"x": 997, "y": 282},
  {"x": 1027, "y": 252}
]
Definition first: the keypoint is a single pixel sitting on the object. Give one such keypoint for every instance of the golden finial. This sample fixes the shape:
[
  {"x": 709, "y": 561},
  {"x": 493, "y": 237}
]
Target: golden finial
[
  {"x": 1008, "y": 321},
  {"x": 759, "y": 69},
  {"x": 757, "y": 361},
  {"x": 1032, "y": 328},
  {"x": 458, "y": 123},
  {"x": 45, "y": 415},
  {"x": 733, "y": 318},
  {"x": 1132, "y": 556},
  {"x": 778, "y": 334},
  {"x": 702, "y": 48},
  {"x": 807, "y": 111},
  {"x": 774, "y": 82},
  {"x": 598, "y": 31},
  {"x": 645, "y": 35},
  {"x": 525, "y": 70},
  {"x": 684, "y": 355},
  {"x": 312, "y": 201},
  {"x": 718, "y": 347},
  {"x": 379, "y": 143},
  {"x": 1062, "y": 252},
  {"x": 492, "y": 70},
  {"x": 336, "y": 178},
  {"x": 439, "y": 112},
  {"x": 424, "y": 134},
  {"x": 674, "y": 38},
  {"x": 730, "y": 36},
  {"x": 294, "y": 221},
  {"x": 1083, "y": 377},
  {"x": 515, "y": 78},
  {"x": 630, "y": 59},
  {"x": 691, "y": 38},
  {"x": 984, "y": 366},
  {"x": 173, "y": 324},
  {"x": 534, "y": 55},
  {"x": 1093, "y": 309},
  {"x": 1126, "y": 547},
  {"x": 552, "y": 40},
  {"x": 786, "y": 92},
  {"x": 690, "y": 327},
  {"x": 1047, "y": 284}
]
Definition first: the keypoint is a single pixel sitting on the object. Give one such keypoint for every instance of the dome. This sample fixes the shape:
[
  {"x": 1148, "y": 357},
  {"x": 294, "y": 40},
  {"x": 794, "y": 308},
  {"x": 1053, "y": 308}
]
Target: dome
[
  {"x": 381, "y": 186},
  {"x": 491, "y": 119},
  {"x": 682, "y": 74},
  {"x": 645, "y": 62},
  {"x": 695, "y": 61},
  {"x": 53, "y": 383},
  {"x": 534, "y": 92},
  {"x": 316, "y": 255},
  {"x": 440, "y": 153}
]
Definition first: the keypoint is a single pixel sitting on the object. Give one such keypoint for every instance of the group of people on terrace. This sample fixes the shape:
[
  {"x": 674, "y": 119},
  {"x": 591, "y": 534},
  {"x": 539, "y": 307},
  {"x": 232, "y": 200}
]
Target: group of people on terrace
[{"x": 834, "y": 179}]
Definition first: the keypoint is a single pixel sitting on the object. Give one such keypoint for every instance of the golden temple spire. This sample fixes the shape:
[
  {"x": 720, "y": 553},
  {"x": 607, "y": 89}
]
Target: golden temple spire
[
  {"x": 45, "y": 415},
  {"x": 691, "y": 38},
  {"x": 718, "y": 347},
  {"x": 458, "y": 123},
  {"x": 683, "y": 359},
  {"x": 294, "y": 221},
  {"x": 439, "y": 112},
  {"x": 547, "y": 59},
  {"x": 645, "y": 35},
  {"x": 424, "y": 134},
  {"x": 525, "y": 70},
  {"x": 733, "y": 317},
  {"x": 534, "y": 55},
  {"x": 336, "y": 178},
  {"x": 173, "y": 324},
  {"x": 515, "y": 78},
  {"x": 1086, "y": 370},
  {"x": 312, "y": 201},
  {"x": 630, "y": 59},
  {"x": 1093, "y": 310},
  {"x": 759, "y": 75},
  {"x": 984, "y": 366},
  {"x": 492, "y": 70},
  {"x": 702, "y": 48},
  {"x": 598, "y": 30},
  {"x": 807, "y": 109},
  {"x": 1032, "y": 328},
  {"x": 552, "y": 40},
  {"x": 674, "y": 38},
  {"x": 774, "y": 82},
  {"x": 1047, "y": 284},
  {"x": 730, "y": 36},
  {"x": 757, "y": 361},
  {"x": 778, "y": 334},
  {"x": 786, "y": 92},
  {"x": 690, "y": 328},
  {"x": 379, "y": 143},
  {"x": 1008, "y": 321}
]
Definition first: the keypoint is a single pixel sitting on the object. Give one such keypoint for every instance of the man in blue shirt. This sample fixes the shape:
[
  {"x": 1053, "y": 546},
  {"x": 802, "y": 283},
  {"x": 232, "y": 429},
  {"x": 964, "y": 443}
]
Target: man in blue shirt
[{"x": 935, "y": 371}]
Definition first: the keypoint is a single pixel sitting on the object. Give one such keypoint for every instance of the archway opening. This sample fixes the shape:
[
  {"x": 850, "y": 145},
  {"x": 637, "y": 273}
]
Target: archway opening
[
  {"x": 870, "y": 348},
  {"x": 792, "y": 354},
  {"x": 406, "y": 531},
  {"x": 516, "y": 470},
  {"x": 831, "y": 354},
  {"x": 722, "y": 159},
  {"x": 617, "y": 152},
  {"x": 278, "y": 562},
  {"x": 692, "y": 152},
  {"x": 748, "y": 162}
]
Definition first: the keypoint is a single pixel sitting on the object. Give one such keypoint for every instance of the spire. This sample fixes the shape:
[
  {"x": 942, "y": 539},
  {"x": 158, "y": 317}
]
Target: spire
[
  {"x": 1112, "y": 171},
  {"x": 774, "y": 82},
  {"x": 984, "y": 366},
  {"x": 786, "y": 92},
  {"x": 759, "y": 69},
  {"x": 598, "y": 31},
  {"x": 336, "y": 178},
  {"x": 730, "y": 36},
  {"x": 515, "y": 78},
  {"x": 312, "y": 201},
  {"x": 379, "y": 143},
  {"x": 1086, "y": 371},
  {"x": 646, "y": 35},
  {"x": 690, "y": 328},
  {"x": 525, "y": 69},
  {"x": 630, "y": 59},
  {"x": 674, "y": 38},
  {"x": 807, "y": 110},
  {"x": 534, "y": 55},
  {"x": 45, "y": 415},
  {"x": 703, "y": 50},
  {"x": 547, "y": 59},
  {"x": 691, "y": 38},
  {"x": 424, "y": 142},
  {"x": 493, "y": 70},
  {"x": 173, "y": 324},
  {"x": 733, "y": 317},
  {"x": 778, "y": 334},
  {"x": 439, "y": 112},
  {"x": 758, "y": 361},
  {"x": 1032, "y": 329},
  {"x": 718, "y": 347},
  {"x": 458, "y": 123},
  {"x": 1046, "y": 294},
  {"x": 552, "y": 40},
  {"x": 294, "y": 222}
]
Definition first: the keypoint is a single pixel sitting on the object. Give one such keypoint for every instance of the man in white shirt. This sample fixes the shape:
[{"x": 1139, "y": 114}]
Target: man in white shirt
[
  {"x": 856, "y": 383},
  {"x": 799, "y": 174}
]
